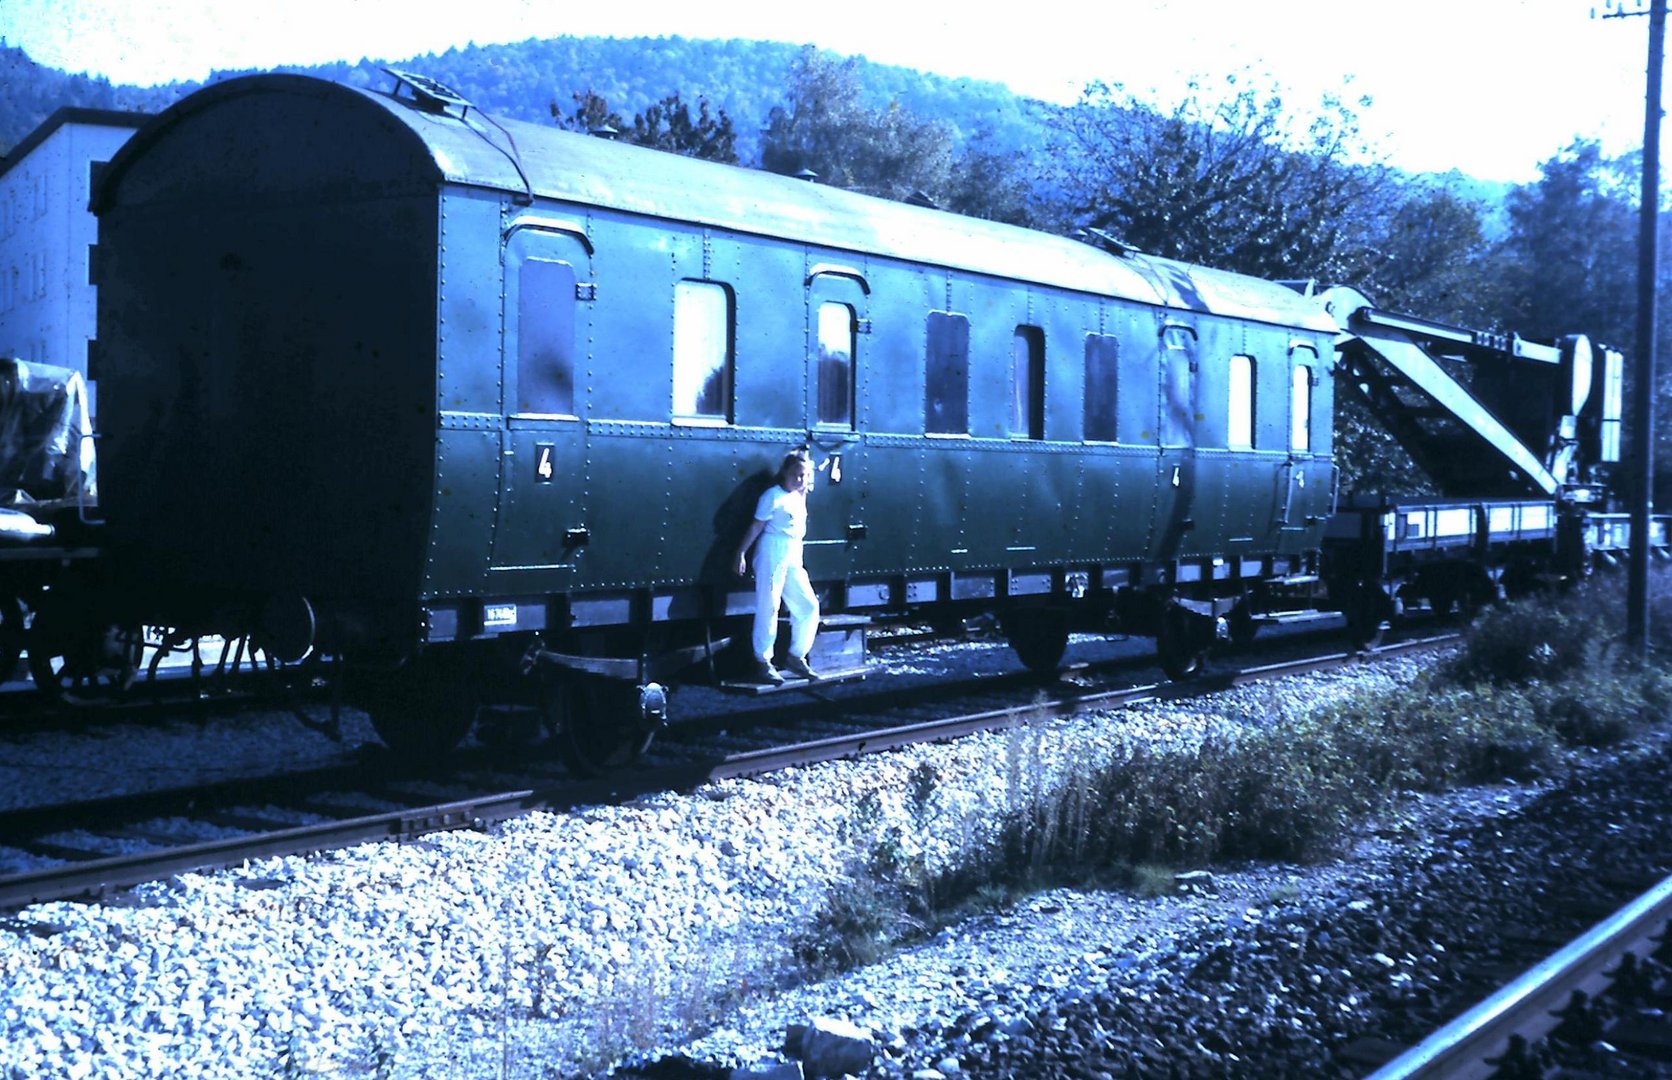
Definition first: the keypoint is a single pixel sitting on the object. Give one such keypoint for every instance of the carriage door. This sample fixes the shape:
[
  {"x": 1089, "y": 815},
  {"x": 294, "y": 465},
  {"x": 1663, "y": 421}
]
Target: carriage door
[
  {"x": 836, "y": 324},
  {"x": 538, "y": 538},
  {"x": 1175, "y": 499},
  {"x": 1306, "y": 490}
]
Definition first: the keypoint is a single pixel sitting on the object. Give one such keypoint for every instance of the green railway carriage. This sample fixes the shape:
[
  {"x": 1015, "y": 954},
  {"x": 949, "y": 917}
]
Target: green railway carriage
[{"x": 391, "y": 375}]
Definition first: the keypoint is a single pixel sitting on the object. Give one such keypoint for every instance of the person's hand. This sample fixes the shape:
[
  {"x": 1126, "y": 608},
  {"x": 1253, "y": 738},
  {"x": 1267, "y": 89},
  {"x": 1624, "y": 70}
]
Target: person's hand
[{"x": 742, "y": 564}]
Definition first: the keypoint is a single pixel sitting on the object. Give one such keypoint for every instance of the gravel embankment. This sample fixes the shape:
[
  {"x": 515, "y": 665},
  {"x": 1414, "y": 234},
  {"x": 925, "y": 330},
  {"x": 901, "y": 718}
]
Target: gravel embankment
[{"x": 556, "y": 945}]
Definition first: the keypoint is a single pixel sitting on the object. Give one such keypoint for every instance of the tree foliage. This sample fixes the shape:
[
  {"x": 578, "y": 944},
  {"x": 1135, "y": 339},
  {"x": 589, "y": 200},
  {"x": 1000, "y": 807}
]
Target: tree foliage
[
  {"x": 590, "y": 116},
  {"x": 1571, "y": 255},
  {"x": 666, "y": 125},
  {"x": 1429, "y": 254},
  {"x": 827, "y": 128},
  {"x": 1570, "y": 264},
  {"x": 988, "y": 181},
  {"x": 29, "y": 93},
  {"x": 1223, "y": 180}
]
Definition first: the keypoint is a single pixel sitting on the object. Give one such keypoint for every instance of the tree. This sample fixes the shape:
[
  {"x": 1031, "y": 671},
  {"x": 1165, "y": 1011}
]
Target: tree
[
  {"x": 1572, "y": 254},
  {"x": 827, "y": 129},
  {"x": 666, "y": 125},
  {"x": 987, "y": 182},
  {"x": 1572, "y": 249},
  {"x": 591, "y": 116},
  {"x": 1226, "y": 181},
  {"x": 1430, "y": 256}
]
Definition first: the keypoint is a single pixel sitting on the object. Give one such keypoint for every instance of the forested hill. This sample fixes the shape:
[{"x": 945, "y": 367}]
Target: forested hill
[
  {"x": 30, "y": 92},
  {"x": 746, "y": 79}
]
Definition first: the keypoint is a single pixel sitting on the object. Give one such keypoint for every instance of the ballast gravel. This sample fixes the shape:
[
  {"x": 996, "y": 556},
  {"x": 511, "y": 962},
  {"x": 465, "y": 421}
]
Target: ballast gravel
[{"x": 665, "y": 929}]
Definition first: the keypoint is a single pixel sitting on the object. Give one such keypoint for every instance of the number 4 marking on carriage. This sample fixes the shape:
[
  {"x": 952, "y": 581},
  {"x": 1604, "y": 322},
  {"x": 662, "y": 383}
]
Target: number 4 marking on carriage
[{"x": 545, "y": 462}]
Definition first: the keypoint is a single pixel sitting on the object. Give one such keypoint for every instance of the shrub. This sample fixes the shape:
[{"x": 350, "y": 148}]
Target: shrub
[
  {"x": 1547, "y": 637},
  {"x": 1530, "y": 680}
]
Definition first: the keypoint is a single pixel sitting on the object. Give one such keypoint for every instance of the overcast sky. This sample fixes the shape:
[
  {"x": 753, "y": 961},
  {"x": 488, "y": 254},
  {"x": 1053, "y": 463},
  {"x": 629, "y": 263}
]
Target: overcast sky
[{"x": 1491, "y": 87}]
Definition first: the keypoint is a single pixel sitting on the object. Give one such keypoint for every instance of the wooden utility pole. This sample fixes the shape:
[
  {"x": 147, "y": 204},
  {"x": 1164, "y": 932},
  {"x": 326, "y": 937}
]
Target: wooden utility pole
[{"x": 1643, "y": 405}]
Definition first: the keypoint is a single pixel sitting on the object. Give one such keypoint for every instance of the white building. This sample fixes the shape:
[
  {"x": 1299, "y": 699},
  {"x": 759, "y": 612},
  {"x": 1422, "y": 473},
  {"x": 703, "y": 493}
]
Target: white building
[{"x": 47, "y": 234}]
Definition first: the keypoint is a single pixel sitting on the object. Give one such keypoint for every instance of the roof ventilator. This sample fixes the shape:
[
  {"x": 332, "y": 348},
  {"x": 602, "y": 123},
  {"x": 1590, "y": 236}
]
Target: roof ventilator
[
  {"x": 426, "y": 93},
  {"x": 1108, "y": 241}
]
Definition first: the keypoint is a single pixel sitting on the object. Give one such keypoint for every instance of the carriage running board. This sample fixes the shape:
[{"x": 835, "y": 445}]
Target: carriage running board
[{"x": 759, "y": 689}]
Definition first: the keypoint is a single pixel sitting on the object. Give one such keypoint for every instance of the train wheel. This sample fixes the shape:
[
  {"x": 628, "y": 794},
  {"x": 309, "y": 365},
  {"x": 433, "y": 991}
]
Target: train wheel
[
  {"x": 1448, "y": 605},
  {"x": 11, "y": 636},
  {"x": 1367, "y": 611},
  {"x": 1039, "y": 638},
  {"x": 421, "y": 710},
  {"x": 1181, "y": 652},
  {"x": 599, "y": 726},
  {"x": 76, "y": 661},
  {"x": 1242, "y": 626}
]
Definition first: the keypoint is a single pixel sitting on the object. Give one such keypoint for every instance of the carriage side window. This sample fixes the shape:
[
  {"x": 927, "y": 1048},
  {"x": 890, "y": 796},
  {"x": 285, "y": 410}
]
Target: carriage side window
[
  {"x": 702, "y": 351},
  {"x": 1239, "y": 425},
  {"x": 1300, "y": 409},
  {"x": 1027, "y": 383},
  {"x": 1102, "y": 356},
  {"x": 546, "y": 338},
  {"x": 835, "y": 370},
  {"x": 947, "y": 375}
]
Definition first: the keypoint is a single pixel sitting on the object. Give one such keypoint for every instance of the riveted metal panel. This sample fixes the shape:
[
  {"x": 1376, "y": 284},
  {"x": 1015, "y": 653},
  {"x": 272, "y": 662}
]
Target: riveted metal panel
[
  {"x": 995, "y": 308},
  {"x": 944, "y": 501},
  {"x": 925, "y": 589},
  {"x": 625, "y": 509},
  {"x": 267, "y": 298},
  {"x": 630, "y": 373},
  {"x": 871, "y": 594},
  {"x": 1115, "y": 487},
  {"x": 770, "y": 328},
  {"x": 893, "y": 507},
  {"x": 901, "y": 298},
  {"x": 1031, "y": 583},
  {"x": 466, "y": 482},
  {"x": 470, "y": 290},
  {"x": 1270, "y": 349},
  {"x": 1063, "y": 319}
]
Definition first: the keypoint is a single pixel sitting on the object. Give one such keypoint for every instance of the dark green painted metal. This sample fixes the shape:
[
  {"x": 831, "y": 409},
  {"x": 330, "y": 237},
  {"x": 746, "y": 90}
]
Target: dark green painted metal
[
  {"x": 268, "y": 389},
  {"x": 408, "y": 355}
]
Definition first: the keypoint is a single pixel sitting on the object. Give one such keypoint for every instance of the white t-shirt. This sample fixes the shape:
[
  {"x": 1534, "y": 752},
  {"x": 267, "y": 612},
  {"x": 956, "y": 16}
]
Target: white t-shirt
[{"x": 785, "y": 512}]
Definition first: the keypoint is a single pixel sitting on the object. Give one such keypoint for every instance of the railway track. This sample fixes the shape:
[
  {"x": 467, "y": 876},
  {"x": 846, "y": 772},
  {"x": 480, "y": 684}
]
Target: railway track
[
  {"x": 260, "y": 818},
  {"x": 1503, "y": 1035}
]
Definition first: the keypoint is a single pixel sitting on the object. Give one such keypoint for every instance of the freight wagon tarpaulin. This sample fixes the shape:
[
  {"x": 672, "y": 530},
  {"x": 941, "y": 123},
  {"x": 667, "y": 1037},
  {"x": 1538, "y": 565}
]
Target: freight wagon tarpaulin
[{"x": 46, "y": 454}]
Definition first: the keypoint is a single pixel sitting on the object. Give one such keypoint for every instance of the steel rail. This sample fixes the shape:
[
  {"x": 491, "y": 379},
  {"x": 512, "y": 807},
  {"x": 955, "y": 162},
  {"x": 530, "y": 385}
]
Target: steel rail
[
  {"x": 1528, "y": 1008},
  {"x": 97, "y": 877},
  {"x": 754, "y": 762}
]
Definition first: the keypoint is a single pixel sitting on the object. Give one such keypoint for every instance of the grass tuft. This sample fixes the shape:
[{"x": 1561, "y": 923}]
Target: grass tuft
[{"x": 1532, "y": 682}]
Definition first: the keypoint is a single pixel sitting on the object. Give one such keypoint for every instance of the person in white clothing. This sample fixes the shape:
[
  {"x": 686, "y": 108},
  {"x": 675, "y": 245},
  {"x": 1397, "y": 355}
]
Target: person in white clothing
[{"x": 780, "y": 524}]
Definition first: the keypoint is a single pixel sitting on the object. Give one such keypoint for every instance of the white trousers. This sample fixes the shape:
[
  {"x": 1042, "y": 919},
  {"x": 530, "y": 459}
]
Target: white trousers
[{"x": 779, "y": 576}]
